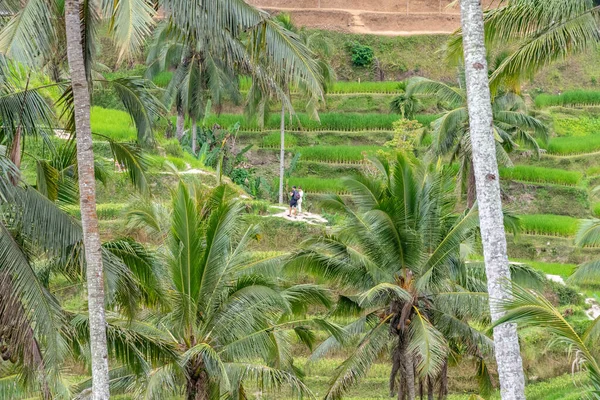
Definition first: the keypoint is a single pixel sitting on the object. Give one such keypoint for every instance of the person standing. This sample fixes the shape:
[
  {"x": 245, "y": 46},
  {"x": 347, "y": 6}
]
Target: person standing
[
  {"x": 300, "y": 198},
  {"x": 294, "y": 196}
]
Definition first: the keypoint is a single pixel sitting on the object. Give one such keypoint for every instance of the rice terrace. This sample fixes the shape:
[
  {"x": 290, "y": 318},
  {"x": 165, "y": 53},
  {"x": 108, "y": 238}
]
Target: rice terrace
[{"x": 311, "y": 199}]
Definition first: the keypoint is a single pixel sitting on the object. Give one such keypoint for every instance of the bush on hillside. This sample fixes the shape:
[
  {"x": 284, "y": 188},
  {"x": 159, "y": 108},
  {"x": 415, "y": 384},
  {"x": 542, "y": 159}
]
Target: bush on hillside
[{"x": 362, "y": 56}]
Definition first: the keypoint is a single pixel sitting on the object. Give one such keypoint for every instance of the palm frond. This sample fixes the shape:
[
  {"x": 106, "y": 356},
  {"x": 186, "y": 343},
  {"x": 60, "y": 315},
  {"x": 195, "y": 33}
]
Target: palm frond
[
  {"x": 131, "y": 22},
  {"x": 140, "y": 103},
  {"x": 358, "y": 363},
  {"x": 428, "y": 344}
]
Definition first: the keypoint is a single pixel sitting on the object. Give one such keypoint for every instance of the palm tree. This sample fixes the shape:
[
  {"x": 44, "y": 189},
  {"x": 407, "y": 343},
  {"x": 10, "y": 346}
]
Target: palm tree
[
  {"x": 397, "y": 264},
  {"x": 537, "y": 32},
  {"x": 450, "y": 131},
  {"x": 87, "y": 193},
  {"x": 39, "y": 241},
  {"x": 487, "y": 179},
  {"x": 230, "y": 312},
  {"x": 530, "y": 309},
  {"x": 258, "y": 104},
  {"x": 587, "y": 273}
]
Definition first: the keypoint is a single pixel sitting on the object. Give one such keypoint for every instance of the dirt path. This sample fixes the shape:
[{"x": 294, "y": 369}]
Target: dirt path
[{"x": 306, "y": 217}]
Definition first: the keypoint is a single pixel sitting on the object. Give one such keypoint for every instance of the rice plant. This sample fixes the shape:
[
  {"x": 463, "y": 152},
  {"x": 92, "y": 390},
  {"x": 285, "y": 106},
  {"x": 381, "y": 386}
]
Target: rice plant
[
  {"x": 328, "y": 122},
  {"x": 340, "y": 87},
  {"x": 572, "y": 145},
  {"x": 318, "y": 185},
  {"x": 115, "y": 124},
  {"x": 337, "y": 154},
  {"x": 162, "y": 79},
  {"x": 529, "y": 173},
  {"x": 107, "y": 211},
  {"x": 273, "y": 140},
  {"x": 564, "y": 270},
  {"x": 551, "y": 225},
  {"x": 568, "y": 98}
]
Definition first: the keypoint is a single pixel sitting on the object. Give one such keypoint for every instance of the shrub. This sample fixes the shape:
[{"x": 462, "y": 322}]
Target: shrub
[
  {"x": 566, "y": 294},
  {"x": 273, "y": 140},
  {"x": 547, "y": 224},
  {"x": 362, "y": 55},
  {"x": 173, "y": 148},
  {"x": 336, "y": 154},
  {"x": 568, "y": 98},
  {"x": 239, "y": 176},
  {"x": 543, "y": 175}
]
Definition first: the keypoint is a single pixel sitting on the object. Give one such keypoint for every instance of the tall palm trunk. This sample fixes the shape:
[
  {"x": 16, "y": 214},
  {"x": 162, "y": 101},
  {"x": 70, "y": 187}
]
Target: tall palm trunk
[
  {"x": 471, "y": 186},
  {"x": 179, "y": 127},
  {"x": 196, "y": 387},
  {"x": 15, "y": 156},
  {"x": 87, "y": 193},
  {"x": 194, "y": 135},
  {"x": 282, "y": 155},
  {"x": 506, "y": 341}
]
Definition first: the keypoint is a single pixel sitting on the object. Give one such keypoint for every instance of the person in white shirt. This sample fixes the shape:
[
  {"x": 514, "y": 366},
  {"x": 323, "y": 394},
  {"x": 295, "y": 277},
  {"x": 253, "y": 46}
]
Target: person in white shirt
[{"x": 301, "y": 193}]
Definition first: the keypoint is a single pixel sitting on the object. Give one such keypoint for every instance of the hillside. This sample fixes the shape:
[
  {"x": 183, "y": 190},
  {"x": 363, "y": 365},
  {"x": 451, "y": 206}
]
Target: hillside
[{"x": 385, "y": 17}]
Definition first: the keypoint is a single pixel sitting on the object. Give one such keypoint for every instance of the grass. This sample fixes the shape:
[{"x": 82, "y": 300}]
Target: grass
[
  {"x": 568, "y": 98},
  {"x": 581, "y": 125},
  {"x": 273, "y": 140},
  {"x": 596, "y": 210},
  {"x": 328, "y": 122},
  {"x": 318, "y": 185},
  {"x": 564, "y": 270},
  {"x": 113, "y": 123},
  {"x": 529, "y": 173},
  {"x": 337, "y": 154},
  {"x": 347, "y": 87},
  {"x": 547, "y": 224},
  {"x": 162, "y": 79},
  {"x": 572, "y": 145}
]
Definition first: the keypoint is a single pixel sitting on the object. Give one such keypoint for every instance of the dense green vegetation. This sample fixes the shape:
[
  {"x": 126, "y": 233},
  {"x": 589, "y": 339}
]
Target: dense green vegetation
[
  {"x": 209, "y": 289},
  {"x": 555, "y": 225},
  {"x": 530, "y": 173},
  {"x": 569, "y": 98}
]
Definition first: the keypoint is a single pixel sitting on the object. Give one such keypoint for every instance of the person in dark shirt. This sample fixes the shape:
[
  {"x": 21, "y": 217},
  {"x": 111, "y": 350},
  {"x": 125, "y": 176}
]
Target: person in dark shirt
[{"x": 294, "y": 197}]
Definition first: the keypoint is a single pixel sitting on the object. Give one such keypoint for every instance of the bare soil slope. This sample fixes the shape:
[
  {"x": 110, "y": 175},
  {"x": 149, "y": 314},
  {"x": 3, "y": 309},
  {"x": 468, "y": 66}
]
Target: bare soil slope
[{"x": 381, "y": 17}]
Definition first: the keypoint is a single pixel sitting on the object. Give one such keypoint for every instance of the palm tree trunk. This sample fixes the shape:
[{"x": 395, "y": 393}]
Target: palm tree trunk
[
  {"x": 471, "y": 190},
  {"x": 282, "y": 155},
  {"x": 194, "y": 135},
  {"x": 87, "y": 193},
  {"x": 430, "y": 388},
  {"x": 180, "y": 124},
  {"x": 15, "y": 156},
  {"x": 197, "y": 382},
  {"x": 506, "y": 341}
]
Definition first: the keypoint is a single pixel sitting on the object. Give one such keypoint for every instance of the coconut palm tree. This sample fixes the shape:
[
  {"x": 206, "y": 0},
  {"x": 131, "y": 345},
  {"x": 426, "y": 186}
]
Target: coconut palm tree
[
  {"x": 487, "y": 179},
  {"x": 587, "y": 273},
  {"x": 39, "y": 241},
  {"x": 531, "y": 309},
  {"x": 231, "y": 314},
  {"x": 538, "y": 33},
  {"x": 512, "y": 126},
  {"x": 33, "y": 36},
  {"x": 397, "y": 264},
  {"x": 259, "y": 100}
]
